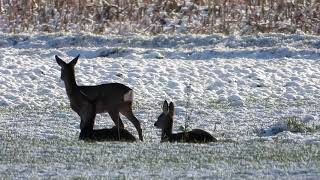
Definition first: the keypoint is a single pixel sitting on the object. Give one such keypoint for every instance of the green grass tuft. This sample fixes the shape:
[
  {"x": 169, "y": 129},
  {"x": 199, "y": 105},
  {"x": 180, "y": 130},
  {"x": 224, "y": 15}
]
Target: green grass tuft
[{"x": 295, "y": 125}]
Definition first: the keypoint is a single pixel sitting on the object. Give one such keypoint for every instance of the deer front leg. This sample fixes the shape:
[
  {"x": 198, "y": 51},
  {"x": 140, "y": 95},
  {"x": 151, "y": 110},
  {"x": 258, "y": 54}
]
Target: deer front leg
[
  {"x": 87, "y": 116},
  {"x": 86, "y": 134}
]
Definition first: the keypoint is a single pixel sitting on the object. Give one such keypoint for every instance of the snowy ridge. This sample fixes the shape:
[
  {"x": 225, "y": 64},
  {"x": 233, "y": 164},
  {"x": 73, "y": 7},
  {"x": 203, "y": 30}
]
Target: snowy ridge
[
  {"x": 232, "y": 79},
  {"x": 159, "y": 41},
  {"x": 189, "y": 47}
]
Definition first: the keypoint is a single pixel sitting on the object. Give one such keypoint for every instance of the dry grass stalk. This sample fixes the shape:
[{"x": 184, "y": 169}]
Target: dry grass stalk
[{"x": 157, "y": 16}]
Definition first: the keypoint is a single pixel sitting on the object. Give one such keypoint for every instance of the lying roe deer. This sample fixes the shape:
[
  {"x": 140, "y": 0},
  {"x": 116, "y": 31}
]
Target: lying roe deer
[
  {"x": 112, "y": 98},
  {"x": 165, "y": 122},
  {"x": 113, "y": 134}
]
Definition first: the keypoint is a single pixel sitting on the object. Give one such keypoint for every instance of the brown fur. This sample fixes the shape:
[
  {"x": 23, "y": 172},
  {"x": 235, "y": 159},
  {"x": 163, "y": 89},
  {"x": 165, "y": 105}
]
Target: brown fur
[
  {"x": 165, "y": 122},
  {"x": 113, "y": 98}
]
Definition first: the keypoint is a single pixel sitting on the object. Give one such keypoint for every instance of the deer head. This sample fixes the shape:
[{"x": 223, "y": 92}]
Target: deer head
[
  {"x": 67, "y": 69},
  {"x": 165, "y": 119}
]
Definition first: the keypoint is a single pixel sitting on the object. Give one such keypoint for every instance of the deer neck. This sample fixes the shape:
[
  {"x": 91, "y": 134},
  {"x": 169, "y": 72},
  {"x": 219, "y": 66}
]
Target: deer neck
[
  {"x": 70, "y": 84},
  {"x": 167, "y": 132}
]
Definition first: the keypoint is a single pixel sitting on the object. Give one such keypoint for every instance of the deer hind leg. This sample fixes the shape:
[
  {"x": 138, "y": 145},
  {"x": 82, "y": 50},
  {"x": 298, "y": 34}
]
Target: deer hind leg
[
  {"x": 127, "y": 112},
  {"x": 114, "y": 114}
]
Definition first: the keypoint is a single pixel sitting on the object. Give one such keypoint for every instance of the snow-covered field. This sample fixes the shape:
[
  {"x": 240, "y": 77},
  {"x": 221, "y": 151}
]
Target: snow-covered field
[{"x": 259, "y": 95}]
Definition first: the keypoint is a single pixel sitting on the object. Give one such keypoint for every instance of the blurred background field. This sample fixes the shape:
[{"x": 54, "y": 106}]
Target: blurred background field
[{"x": 161, "y": 16}]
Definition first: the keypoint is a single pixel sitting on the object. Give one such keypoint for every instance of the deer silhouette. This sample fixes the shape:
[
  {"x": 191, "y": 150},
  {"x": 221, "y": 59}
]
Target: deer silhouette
[
  {"x": 113, "y": 98},
  {"x": 165, "y": 122},
  {"x": 113, "y": 134}
]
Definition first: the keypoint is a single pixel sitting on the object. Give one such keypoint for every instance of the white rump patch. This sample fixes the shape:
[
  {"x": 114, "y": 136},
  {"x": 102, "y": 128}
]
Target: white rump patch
[{"x": 128, "y": 97}]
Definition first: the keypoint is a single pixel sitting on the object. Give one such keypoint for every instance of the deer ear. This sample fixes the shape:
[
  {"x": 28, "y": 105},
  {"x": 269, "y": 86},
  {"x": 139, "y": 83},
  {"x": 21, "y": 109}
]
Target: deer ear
[
  {"x": 171, "y": 109},
  {"x": 74, "y": 61},
  {"x": 60, "y": 61},
  {"x": 165, "y": 108}
]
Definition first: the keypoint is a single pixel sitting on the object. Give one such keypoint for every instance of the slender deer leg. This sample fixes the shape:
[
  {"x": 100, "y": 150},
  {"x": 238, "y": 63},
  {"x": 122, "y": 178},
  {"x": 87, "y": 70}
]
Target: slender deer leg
[
  {"x": 115, "y": 116},
  {"x": 87, "y": 129},
  {"x": 127, "y": 112}
]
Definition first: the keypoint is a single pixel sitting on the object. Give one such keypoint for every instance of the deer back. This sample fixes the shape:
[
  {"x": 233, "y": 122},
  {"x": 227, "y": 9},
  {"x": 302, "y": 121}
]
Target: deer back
[
  {"x": 108, "y": 96},
  {"x": 199, "y": 136}
]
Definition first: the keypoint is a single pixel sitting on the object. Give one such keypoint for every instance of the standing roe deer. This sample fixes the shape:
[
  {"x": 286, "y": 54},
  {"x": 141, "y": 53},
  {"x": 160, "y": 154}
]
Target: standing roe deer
[
  {"x": 165, "y": 121},
  {"x": 113, "y": 134},
  {"x": 112, "y": 98}
]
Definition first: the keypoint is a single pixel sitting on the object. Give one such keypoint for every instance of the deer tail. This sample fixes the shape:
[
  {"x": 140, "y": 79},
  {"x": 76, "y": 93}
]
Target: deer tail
[{"x": 128, "y": 97}]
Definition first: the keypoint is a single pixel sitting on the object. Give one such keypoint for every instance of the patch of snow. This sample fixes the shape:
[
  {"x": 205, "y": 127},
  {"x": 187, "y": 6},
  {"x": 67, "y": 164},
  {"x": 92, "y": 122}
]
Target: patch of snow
[
  {"x": 234, "y": 86},
  {"x": 235, "y": 100}
]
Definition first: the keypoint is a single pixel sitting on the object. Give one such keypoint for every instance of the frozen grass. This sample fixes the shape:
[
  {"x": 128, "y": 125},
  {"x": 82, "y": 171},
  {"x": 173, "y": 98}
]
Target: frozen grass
[
  {"x": 42, "y": 143},
  {"x": 33, "y": 157}
]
